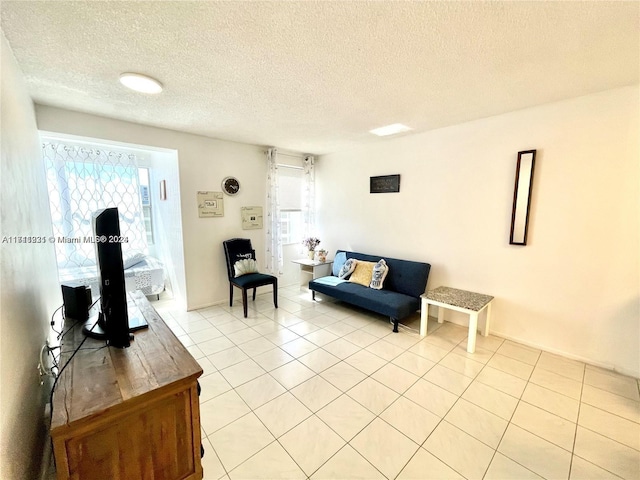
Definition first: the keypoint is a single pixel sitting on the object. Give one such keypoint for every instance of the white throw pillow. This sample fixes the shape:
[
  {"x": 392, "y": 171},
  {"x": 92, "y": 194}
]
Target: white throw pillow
[
  {"x": 348, "y": 268},
  {"x": 380, "y": 271},
  {"x": 245, "y": 266},
  {"x": 132, "y": 260}
]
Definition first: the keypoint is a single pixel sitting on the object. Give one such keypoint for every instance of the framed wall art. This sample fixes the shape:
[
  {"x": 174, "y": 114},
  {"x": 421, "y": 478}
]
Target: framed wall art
[
  {"x": 251, "y": 218},
  {"x": 210, "y": 204},
  {"x": 384, "y": 184},
  {"x": 522, "y": 197}
]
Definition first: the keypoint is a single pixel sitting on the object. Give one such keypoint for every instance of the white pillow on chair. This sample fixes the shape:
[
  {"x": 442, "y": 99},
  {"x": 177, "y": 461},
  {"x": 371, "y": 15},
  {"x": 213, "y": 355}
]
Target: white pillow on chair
[{"x": 245, "y": 266}]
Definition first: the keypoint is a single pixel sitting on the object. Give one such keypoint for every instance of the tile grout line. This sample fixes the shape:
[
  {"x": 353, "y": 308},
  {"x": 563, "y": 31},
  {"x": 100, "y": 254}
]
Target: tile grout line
[
  {"x": 276, "y": 439},
  {"x": 376, "y": 416},
  {"x": 442, "y": 419},
  {"x": 509, "y": 422},
  {"x": 345, "y": 393},
  {"x": 388, "y": 362},
  {"x": 575, "y": 432},
  {"x": 495, "y": 450}
]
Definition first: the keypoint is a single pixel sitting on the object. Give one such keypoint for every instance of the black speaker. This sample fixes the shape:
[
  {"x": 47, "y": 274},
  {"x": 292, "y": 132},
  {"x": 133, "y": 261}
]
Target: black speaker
[{"x": 77, "y": 300}]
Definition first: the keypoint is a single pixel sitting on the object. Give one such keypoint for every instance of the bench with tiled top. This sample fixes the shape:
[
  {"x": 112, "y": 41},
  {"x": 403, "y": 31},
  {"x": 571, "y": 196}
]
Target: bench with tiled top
[{"x": 463, "y": 301}]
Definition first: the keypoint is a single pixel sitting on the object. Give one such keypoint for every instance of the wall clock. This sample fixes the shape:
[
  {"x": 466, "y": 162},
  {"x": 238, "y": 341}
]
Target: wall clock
[{"x": 230, "y": 185}]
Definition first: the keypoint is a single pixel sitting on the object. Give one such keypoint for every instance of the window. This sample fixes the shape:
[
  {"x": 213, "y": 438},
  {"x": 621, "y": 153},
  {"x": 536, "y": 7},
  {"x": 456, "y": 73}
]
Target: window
[
  {"x": 145, "y": 199},
  {"x": 290, "y": 195},
  {"x": 291, "y": 226},
  {"x": 82, "y": 179}
]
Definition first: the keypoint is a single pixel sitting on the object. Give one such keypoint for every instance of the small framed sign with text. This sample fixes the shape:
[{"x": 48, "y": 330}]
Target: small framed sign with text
[
  {"x": 384, "y": 184},
  {"x": 210, "y": 204},
  {"x": 251, "y": 218}
]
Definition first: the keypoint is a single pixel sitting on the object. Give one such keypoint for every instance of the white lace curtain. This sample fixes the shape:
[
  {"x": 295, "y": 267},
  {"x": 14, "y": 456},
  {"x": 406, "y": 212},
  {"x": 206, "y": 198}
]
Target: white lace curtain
[
  {"x": 309, "y": 197},
  {"x": 273, "y": 242},
  {"x": 82, "y": 180}
]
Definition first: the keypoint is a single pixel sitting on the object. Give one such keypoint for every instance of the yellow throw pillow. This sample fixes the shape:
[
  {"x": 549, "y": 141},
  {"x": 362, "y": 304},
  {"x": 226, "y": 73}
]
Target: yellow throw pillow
[{"x": 363, "y": 273}]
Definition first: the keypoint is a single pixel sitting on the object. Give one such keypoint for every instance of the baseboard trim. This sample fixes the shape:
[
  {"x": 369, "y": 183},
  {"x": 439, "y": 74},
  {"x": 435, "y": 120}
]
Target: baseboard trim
[
  {"x": 47, "y": 467},
  {"x": 571, "y": 356},
  {"x": 237, "y": 297},
  {"x": 589, "y": 361},
  {"x": 207, "y": 305}
]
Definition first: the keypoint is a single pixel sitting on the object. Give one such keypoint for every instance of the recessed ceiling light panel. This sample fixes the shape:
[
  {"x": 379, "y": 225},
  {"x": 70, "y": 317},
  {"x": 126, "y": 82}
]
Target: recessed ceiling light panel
[
  {"x": 140, "y": 83},
  {"x": 390, "y": 130}
]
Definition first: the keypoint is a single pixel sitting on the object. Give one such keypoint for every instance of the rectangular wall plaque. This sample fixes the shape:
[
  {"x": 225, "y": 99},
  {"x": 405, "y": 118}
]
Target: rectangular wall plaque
[
  {"x": 210, "y": 204},
  {"x": 251, "y": 218},
  {"x": 384, "y": 184}
]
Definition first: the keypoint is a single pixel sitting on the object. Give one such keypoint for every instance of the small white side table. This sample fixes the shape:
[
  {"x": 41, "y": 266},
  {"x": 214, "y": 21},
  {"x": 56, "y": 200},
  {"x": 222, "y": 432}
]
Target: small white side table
[
  {"x": 460, "y": 301},
  {"x": 312, "y": 269}
]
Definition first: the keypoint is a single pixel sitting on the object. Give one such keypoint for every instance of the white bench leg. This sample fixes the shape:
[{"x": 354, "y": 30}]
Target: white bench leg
[
  {"x": 473, "y": 327},
  {"x": 424, "y": 317},
  {"x": 485, "y": 331},
  {"x": 440, "y": 314}
]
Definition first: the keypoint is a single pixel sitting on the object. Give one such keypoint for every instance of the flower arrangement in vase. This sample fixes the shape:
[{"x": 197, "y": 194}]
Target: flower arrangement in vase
[{"x": 311, "y": 243}]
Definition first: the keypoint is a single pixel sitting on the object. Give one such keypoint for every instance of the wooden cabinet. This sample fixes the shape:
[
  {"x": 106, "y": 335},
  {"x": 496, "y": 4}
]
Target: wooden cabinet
[{"x": 128, "y": 413}]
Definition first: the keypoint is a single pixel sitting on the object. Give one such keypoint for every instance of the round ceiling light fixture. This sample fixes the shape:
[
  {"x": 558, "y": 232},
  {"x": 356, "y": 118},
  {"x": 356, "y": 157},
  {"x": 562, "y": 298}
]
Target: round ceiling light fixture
[{"x": 140, "y": 83}]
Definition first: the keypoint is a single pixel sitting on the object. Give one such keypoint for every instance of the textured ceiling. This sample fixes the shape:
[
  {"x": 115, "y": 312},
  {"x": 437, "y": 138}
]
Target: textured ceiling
[{"x": 317, "y": 76}]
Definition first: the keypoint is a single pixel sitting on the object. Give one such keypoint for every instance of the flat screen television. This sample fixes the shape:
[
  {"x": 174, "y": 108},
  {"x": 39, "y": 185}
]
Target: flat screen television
[{"x": 112, "y": 323}]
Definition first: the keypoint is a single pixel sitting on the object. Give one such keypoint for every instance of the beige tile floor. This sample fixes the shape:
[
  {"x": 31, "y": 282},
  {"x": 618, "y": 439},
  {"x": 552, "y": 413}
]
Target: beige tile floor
[{"x": 323, "y": 391}]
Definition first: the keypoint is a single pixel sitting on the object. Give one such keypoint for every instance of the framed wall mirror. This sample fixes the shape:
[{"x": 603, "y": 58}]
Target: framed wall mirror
[{"x": 522, "y": 197}]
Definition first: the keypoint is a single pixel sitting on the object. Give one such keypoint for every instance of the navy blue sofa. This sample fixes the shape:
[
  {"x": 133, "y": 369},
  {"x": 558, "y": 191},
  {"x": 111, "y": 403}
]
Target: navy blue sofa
[{"x": 400, "y": 294}]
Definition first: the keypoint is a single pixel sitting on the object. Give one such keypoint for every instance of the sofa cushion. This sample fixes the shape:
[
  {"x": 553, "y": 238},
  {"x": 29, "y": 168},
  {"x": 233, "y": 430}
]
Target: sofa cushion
[
  {"x": 404, "y": 276},
  {"x": 253, "y": 279},
  {"x": 363, "y": 273},
  {"x": 330, "y": 280},
  {"x": 380, "y": 271},
  {"x": 348, "y": 268},
  {"x": 338, "y": 262},
  {"x": 400, "y": 297},
  {"x": 392, "y": 304}
]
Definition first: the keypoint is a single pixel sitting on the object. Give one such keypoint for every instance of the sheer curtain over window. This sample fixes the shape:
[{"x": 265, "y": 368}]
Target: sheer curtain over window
[
  {"x": 309, "y": 197},
  {"x": 273, "y": 242},
  {"x": 82, "y": 180}
]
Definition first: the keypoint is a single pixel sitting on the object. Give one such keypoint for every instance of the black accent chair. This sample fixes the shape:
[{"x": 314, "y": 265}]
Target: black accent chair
[{"x": 237, "y": 249}]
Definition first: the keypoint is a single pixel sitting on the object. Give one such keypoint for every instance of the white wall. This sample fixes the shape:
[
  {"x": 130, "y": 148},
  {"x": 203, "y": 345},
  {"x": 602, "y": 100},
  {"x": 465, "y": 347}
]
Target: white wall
[
  {"x": 29, "y": 289},
  {"x": 203, "y": 163},
  {"x": 167, "y": 221},
  {"x": 574, "y": 289}
]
